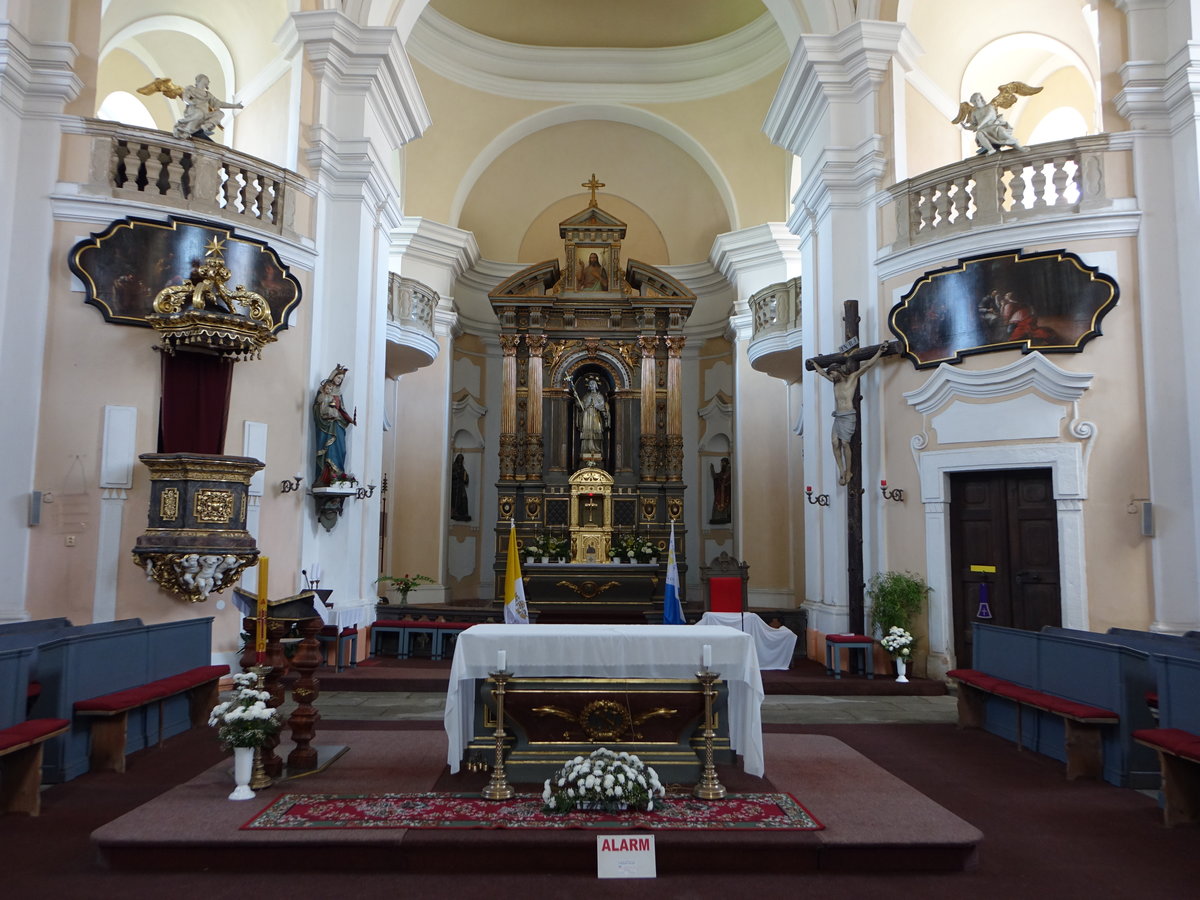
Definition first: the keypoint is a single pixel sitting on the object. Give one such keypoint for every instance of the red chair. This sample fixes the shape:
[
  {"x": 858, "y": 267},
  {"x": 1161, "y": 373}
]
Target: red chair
[{"x": 725, "y": 584}]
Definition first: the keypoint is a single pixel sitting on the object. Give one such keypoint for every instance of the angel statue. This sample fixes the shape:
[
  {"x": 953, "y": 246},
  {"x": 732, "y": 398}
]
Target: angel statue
[
  {"x": 202, "y": 108},
  {"x": 992, "y": 132}
]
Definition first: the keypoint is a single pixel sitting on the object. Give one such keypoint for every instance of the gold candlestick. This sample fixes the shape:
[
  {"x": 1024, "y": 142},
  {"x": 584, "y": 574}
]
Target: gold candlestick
[
  {"x": 498, "y": 787},
  {"x": 708, "y": 787},
  {"x": 259, "y": 778}
]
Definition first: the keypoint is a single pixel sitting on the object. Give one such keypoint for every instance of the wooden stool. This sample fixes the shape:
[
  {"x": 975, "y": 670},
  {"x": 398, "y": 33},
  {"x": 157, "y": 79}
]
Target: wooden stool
[{"x": 833, "y": 646}]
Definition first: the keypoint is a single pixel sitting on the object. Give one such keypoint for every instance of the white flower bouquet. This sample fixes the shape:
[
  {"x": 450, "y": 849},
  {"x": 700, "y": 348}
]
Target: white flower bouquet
[
  {"x": 245, "y": 720},
  {"x": 898, "y": 642},
  {"x": 603, "y": 780}
]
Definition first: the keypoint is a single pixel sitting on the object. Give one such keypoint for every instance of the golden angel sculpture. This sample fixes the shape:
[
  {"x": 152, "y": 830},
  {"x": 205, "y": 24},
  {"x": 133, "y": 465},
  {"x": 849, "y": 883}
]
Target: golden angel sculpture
[
  {"x": 202, "y": 111},
  {"x": 992, "y": 132}
]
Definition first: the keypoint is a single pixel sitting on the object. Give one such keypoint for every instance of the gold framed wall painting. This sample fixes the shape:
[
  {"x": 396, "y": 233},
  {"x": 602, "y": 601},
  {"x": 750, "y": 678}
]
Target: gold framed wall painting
[
  {"x": 124, "y": 266},
  {"x": 1049, "y": 301}
]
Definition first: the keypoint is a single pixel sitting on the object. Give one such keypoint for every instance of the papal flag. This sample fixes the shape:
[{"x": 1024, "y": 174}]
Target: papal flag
[
  {"x": 515, "y": 610},
  {"x": 672, "y": 609}
]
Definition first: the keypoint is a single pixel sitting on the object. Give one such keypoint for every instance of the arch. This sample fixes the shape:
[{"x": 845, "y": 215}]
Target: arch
[
  {"x": 184, "y": 25},
  {"x": 561, "y": 115},
  {"x": 122, "y": 106}
]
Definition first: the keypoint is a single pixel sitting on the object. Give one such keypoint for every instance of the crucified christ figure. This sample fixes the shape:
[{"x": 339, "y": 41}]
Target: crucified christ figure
[{"x": 845, "y": 419}]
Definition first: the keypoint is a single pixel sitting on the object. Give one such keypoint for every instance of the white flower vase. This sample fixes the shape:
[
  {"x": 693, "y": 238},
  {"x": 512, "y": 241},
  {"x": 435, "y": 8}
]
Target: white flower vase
[
  {"x": 243, "y": 768},
  {"x": 901, "y": 667}
]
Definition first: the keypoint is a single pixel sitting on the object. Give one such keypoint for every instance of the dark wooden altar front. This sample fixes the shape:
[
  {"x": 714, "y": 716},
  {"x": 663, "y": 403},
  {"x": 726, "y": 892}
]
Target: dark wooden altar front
[{"x": 604, "y": 594}]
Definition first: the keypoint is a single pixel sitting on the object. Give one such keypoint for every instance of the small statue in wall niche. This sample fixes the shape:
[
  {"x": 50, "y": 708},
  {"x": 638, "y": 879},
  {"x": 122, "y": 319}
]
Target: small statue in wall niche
[
  {"x": 459, "y": 479},
  {"x": 722, "y": 496},
  {"x": 202, "y": 113},
  {"x": 992, "y": 132},
  {"x": 332, "y": 420}
]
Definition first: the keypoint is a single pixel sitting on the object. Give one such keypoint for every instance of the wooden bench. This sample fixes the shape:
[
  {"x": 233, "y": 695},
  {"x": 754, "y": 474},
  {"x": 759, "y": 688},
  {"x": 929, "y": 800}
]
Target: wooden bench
[
  {"x": 1179, "y": 760},
  {"x": 21, "y": 763},
  {"x": 1082, "y": 744},
  {"x": 110, "y": 711},
  {"x": 408, "y": 629}
]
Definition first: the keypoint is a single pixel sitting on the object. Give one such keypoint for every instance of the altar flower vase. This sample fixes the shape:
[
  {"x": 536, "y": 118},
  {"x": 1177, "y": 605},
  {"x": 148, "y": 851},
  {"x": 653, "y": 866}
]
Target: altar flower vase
[{"x": 243, "y": 768}]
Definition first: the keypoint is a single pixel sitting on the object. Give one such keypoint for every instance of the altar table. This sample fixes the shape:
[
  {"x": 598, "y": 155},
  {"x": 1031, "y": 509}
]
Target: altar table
[
  {"x": 775, "y": 646},
  {"x": 616, "y": 651}
]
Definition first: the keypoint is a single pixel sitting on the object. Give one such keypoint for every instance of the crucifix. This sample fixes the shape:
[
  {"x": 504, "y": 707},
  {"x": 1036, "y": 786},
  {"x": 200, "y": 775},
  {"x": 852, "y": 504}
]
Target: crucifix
[
  {"x": 593, "y": 185},
  {"x": 590, "y": 504},
  {"x": 844, "y": 369}
]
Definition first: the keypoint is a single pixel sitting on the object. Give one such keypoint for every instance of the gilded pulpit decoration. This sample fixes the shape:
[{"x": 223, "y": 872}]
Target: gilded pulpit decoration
[{"x": 583, "y": 338}]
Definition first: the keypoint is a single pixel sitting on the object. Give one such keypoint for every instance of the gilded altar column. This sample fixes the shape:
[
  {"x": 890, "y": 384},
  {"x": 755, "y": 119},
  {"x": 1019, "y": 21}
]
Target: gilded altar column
[
  {"x": 648, "y": 443},
  {"x": 533, "y": 420},
  {"x": 508, "y": 406},
  {"x": 674, "y": 453}
]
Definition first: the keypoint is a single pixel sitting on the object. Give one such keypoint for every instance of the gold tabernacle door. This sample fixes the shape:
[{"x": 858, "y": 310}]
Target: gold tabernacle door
[{"x": 591, "y": 515}]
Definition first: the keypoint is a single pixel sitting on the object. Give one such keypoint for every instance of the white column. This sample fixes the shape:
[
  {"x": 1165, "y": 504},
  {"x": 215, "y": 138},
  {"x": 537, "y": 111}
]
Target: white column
[
  {"x": 764, "y": 518},
  {"x": 36, "y": 81},
  {"x": 368, "y": 105},
  {"x": 828, "y": 112},
  {"x": 1161, "y": 100}
]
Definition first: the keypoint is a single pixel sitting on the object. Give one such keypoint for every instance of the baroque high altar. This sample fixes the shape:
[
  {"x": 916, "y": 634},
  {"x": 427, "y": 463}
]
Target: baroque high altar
[{"x": 591, "y": 438}]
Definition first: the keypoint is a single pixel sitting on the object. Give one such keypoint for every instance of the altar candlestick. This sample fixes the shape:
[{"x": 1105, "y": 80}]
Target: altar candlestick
[
  {"x": 501, "y": 659},
  {"x": 260, "y": 638},
  {"x": 706, "y": 655}
]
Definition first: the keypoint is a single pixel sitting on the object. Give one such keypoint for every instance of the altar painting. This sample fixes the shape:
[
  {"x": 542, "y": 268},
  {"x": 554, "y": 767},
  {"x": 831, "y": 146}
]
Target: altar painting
[
  {"x": 1051, "y": 302},
  {"x": 125, "y": 266}
]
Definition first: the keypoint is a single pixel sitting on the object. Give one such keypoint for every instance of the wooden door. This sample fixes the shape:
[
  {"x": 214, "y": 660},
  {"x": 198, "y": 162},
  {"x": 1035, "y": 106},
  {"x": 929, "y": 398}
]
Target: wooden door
[{"x": 1003, "y": 552}]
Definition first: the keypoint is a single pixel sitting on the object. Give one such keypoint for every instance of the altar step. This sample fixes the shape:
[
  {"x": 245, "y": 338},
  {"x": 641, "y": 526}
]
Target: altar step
[{"x": 805, "y": 677}]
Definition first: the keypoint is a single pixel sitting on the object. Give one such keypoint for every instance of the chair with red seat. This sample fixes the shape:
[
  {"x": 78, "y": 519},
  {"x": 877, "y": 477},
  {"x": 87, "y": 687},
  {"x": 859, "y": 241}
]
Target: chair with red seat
[{"x": 725, "y": 583}]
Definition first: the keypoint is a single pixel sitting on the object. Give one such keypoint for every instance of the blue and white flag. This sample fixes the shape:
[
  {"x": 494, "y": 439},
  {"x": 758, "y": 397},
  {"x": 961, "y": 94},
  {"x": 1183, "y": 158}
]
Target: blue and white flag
[{"x": 672, "y": 609}]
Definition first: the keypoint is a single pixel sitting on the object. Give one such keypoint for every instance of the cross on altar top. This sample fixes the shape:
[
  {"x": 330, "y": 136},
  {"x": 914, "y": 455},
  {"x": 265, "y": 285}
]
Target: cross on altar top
[{"x": 593, "y": 185}]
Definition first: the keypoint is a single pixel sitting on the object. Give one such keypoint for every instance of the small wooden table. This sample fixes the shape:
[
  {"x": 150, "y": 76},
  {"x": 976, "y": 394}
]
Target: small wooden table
[{"x": 851, "y": 642}]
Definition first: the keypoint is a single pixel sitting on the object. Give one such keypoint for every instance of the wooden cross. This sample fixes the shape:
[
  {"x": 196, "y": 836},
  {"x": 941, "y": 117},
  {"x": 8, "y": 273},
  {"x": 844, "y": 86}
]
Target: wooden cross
[
  {"x": 849, "y": 359},
  {"x": 593, "y": 186}
]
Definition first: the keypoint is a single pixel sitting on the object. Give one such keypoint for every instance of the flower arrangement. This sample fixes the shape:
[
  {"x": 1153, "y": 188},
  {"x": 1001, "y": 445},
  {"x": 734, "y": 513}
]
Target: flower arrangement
[
  {"x": 404, "y": 583},
  {"x": 556, "y": 547},
  {"x": 603, "y": 780},
  {"x": 898, "y": 642},
  {"x": 633, "y": 548},
  {"x": 245, "y": 720}
]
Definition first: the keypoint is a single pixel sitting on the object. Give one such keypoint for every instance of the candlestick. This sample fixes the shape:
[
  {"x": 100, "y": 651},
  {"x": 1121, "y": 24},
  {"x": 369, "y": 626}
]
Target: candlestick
[
  {"x": 501, "y": 659},
  {"x": 260, "y": 637},
  {"x": 706, "y": 656}
]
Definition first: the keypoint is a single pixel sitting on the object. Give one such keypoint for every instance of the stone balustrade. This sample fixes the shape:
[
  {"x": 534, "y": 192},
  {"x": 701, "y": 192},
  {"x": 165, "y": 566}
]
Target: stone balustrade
[
  {"x": 410, "y": 303},
  {"x": 198, "y": 176},
  {"x": 1055, "y": 179},
  {"x": 775, "y": 309}
]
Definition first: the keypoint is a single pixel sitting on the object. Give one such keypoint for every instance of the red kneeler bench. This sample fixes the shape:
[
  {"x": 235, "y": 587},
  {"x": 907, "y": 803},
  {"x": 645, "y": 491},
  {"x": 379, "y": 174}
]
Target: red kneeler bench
[{"x": 834, "y": 644}]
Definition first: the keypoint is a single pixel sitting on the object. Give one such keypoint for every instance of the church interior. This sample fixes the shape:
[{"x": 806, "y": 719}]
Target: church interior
[{"x": 346, "y": 305}]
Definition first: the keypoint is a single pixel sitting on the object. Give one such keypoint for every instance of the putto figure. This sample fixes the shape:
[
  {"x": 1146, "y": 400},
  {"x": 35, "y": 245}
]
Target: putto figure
[{"x": 992, "y": 132}]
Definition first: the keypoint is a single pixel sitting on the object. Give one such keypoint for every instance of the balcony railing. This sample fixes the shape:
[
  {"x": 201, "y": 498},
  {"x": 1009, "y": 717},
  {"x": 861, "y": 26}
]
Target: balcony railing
[
  {"x": 775, "y": 309},
  {"x": 1054, "y": 179},
  {"x": 202, "y": 177},
  {"x": 410, "y": 303}
]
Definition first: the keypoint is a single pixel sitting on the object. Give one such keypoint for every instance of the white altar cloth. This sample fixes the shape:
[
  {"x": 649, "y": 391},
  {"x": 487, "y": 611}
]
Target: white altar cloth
[
  {"x": 620, "y": 651},
  {"x": 775, "y": 646}
]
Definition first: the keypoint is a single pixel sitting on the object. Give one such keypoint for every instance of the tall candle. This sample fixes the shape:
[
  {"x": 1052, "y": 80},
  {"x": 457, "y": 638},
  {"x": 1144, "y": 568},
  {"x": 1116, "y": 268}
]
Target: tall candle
[
  {"x": 260, "y": 637},
  {"x": 707, "y": 656},
  {"x": 501, "y": 659}
]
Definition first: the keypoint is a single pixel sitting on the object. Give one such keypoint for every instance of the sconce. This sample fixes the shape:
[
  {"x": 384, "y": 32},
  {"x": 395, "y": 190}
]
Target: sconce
[
  {"x": 818, "y": 500},
  {"x": 364, "y": 493},
  {"x": 894, "y": 494},
  {"x": 290, "y": 484}
]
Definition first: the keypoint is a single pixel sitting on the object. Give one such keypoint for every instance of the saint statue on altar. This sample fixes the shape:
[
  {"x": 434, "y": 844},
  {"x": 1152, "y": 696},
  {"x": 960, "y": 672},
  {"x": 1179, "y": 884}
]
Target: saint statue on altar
[{"x": 593, "y": 418}]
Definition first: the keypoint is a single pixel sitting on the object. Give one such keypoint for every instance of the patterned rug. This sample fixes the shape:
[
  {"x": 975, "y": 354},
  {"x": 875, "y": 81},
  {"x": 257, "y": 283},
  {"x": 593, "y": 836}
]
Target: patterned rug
[{"x": 772, "y": 811}]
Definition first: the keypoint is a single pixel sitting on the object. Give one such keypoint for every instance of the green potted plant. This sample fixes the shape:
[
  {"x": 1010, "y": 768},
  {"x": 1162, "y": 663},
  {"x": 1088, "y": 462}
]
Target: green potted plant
[{"x": 896, "y": 599}]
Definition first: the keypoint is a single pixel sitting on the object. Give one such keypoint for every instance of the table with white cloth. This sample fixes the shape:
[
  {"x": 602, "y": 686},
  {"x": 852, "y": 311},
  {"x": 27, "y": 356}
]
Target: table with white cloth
[
  {"x": 632, "y": 652},
  {"x": 775, "y": 646}
]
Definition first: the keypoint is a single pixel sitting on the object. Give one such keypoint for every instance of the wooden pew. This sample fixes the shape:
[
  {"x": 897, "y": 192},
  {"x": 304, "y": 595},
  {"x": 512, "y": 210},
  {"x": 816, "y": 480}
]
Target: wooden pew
[
  {"x": 21, "y": 740},
  {"x": 1177, "y": 739}
]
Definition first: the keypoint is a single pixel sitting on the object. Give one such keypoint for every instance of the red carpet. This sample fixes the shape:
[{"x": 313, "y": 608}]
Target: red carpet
[{"x": 779, "y": 812}]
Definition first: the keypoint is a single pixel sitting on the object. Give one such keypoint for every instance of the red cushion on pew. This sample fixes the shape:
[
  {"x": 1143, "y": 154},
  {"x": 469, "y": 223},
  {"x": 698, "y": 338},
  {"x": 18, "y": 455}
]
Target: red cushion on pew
[
  {"x": 849, "y": 639},
  {"x": 347, "y": 631},
  {"x": 974, "y": 677},
  {"x": 24, "y": 732},
  {"x": 1075, "y": 708},
  {"x": 725, "y": 594},
  {"x": 174, "y": 684},
  {"x": 1173, "y": 740},
  {"x": 119, "y": 700},
  {"x": 1016, "y": 692}
]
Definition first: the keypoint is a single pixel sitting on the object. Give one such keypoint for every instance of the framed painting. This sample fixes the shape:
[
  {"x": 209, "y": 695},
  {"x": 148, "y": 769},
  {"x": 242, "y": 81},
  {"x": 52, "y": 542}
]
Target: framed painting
[
  {"x": 124, "y": 266},
  {"x": 1050, "y": 301}
]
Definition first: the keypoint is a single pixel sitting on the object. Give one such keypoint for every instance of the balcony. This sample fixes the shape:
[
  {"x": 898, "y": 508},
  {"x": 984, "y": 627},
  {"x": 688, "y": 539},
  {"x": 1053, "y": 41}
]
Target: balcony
[
  {"x": 410, "y": 341},
  {"x": 203, "y": 178},
  {"x": 776, "y": 338}
]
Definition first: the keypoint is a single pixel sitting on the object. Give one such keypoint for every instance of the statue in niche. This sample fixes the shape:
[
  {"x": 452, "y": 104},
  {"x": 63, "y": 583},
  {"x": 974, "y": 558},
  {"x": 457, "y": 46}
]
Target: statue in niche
[
  {"x": 722, "y": 485},
  {"x": 332, "y": 420},
  {"x": 992, "y": 132},
  {"x": 458, "y": 490},
  {"x": 593, "y": 416}
]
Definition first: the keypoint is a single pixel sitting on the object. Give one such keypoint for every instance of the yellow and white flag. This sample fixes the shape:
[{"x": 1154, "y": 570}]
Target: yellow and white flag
[{"x": 515, "y": 610}]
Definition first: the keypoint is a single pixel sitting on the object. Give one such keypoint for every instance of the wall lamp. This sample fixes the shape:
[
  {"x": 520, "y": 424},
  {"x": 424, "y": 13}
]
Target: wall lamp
[
  {"x": 894, "y": 494},
  {"x": 290, "y": 484},
  {"x": 363, "y": 493},
  {"x": 818, "y": 500}
]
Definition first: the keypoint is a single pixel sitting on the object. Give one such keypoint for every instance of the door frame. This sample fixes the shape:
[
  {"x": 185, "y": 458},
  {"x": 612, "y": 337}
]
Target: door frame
[{"x": 1068, "y": 479}]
